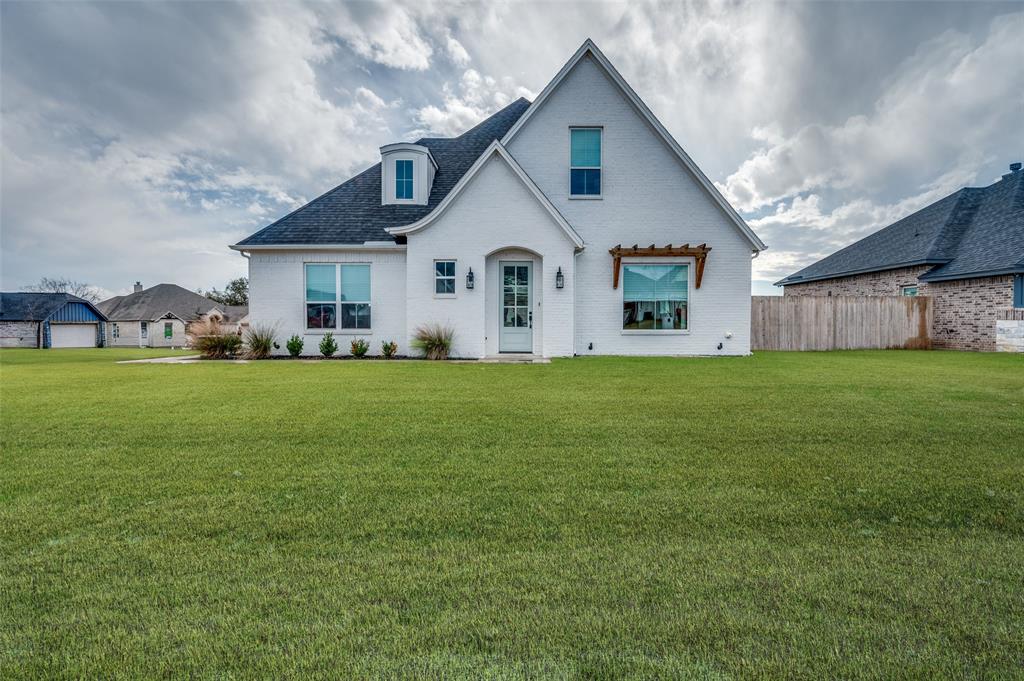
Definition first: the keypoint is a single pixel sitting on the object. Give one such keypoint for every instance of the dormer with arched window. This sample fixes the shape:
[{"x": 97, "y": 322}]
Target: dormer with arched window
[{"x": 407, "y": 174}]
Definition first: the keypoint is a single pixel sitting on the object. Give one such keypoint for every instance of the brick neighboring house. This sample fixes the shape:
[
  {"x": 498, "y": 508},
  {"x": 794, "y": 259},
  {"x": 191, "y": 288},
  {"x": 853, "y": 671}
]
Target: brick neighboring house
[{"x": 965, "y": 251}]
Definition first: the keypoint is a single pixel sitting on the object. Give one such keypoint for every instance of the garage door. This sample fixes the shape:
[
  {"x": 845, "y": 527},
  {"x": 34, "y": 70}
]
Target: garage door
[{"x": 72, "y": 335}]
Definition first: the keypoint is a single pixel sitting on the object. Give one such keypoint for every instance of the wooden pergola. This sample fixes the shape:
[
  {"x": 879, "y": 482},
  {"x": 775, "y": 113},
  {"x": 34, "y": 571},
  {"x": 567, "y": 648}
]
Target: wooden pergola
[{"x": 699, "y": 253}]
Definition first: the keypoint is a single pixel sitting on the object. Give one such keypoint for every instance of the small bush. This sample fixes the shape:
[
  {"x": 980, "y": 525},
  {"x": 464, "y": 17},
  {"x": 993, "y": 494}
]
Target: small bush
[
  {"x": 328, "y": 346},
  {"x": 294, "y": 346},
  {"x": 260, "y": 339},
  {"x": 359, "y": 347},
  {"x": 211, "y": 341},
  {"x": 435, "y": 340},
  {"x": 388, "y": 349},
  {"x": 218, "y": 346}
]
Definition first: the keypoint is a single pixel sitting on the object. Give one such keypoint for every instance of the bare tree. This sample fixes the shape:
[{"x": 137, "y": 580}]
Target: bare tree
[{"x": 65, "y": 285}]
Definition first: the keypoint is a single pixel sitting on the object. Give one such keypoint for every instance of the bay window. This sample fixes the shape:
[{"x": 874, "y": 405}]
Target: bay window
[
  {"x": 337, "y": 296},
  {"x": 654, "y": 297}
]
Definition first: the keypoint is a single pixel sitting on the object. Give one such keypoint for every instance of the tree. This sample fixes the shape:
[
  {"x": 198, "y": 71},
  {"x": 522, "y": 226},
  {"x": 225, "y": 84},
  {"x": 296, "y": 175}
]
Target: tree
[
  {"x": 235, "y": 293},
  {"x": 65, "y": 285}
]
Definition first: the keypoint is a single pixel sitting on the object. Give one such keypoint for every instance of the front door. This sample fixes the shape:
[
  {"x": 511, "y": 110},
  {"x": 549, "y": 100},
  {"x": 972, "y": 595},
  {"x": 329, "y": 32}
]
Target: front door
[{"x": 516, "y": 321}]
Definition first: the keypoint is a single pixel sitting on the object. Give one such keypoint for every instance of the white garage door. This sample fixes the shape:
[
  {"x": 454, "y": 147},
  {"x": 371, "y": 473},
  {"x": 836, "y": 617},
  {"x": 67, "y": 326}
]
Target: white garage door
[{"x": 72, "y": 335}]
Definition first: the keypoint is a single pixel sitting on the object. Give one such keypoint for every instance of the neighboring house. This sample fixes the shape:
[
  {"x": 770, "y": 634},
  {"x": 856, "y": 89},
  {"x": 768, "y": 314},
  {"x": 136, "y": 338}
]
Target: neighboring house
[
  {"x": 49, "y": 320},
  {"x": 519, "y": 234},
  {"x": 965, "y": 251},
  {"x": 160, "y": 316},
  {"x": 234, "y": 318}
]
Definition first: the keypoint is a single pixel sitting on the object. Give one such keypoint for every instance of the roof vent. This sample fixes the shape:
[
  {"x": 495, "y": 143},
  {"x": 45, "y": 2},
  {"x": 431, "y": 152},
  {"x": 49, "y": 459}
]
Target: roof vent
[
  {"x": 1015, "y": 167},
  {"x": 138, "y": 287}
]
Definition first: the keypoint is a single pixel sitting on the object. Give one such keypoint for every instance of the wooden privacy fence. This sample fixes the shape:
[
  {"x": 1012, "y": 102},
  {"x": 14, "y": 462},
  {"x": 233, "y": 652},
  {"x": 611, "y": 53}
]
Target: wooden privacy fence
[{"x": 839, "y": 322}]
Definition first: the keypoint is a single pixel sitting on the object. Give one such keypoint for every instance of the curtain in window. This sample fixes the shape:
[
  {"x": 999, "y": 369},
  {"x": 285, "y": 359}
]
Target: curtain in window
[
  {"x": 320, "y": 282},
  {"x": 653, "y": 283},
  {"x": 355, "y": 282},
  {"x": 586, "y": 147}
]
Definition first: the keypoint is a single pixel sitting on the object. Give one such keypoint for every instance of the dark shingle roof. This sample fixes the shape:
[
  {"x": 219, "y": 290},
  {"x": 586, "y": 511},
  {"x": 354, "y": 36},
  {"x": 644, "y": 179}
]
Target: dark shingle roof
[
  {"x": 976, "y": 231},
  {"x": 155, "y": 302},
  {"x": 352, "y": 213},
  {"x": 34, "y": 307}
]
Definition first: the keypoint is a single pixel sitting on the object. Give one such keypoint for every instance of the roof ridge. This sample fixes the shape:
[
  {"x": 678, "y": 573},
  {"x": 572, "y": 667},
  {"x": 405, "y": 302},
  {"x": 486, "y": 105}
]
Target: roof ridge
[{"x": 959, "y": 220}]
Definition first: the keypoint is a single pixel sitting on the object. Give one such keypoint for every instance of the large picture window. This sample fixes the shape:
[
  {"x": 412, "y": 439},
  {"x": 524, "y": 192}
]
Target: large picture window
[
  {"x": 654, "y": 297},
  {"x": 337, "y": 296},
  {"x": 585, "y": 161}
]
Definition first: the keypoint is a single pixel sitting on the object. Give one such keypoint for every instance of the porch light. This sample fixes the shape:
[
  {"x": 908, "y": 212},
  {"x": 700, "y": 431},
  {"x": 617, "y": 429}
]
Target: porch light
[
  {"x": 469, "y": 278},
  {"x": 559, "y": 279}
]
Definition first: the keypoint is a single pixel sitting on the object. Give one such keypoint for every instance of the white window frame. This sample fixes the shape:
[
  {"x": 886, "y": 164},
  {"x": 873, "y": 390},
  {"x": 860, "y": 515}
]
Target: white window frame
[
  {"x": 903, "y": 291},
  {"x": 586, "y": 197},
  {"x": 144, "y": 330},
  {"x": 394, "y": 180},
  {"x": 690, "y": 267},
  {"x": 171, "y": 326},
  {"x": 339, "y": 330},
  {"x": 454, "y": 277},
  {"x": 115, "y": 331}
]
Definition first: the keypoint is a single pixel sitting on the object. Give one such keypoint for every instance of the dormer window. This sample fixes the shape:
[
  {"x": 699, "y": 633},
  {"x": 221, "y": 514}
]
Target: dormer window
[
  {"x": 585, "y": 163},
  {"x": 407, "y": 174},
  {"x": 403, "y": 179}
]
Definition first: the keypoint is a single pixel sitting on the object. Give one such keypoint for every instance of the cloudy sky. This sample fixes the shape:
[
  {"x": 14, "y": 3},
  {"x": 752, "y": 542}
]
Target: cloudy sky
[{"x": 138, "y": 140}]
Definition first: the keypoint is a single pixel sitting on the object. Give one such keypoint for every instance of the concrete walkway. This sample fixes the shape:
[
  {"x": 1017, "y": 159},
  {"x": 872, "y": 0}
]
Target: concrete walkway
[{"x": 180, "y": 359}]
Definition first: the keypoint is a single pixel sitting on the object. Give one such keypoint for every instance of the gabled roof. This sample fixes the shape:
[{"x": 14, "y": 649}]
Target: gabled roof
[
  {"x": 157, "y": 302},
  {"x": 974, "y": 232},
  {"x": 495, "y": 149},
  {"x": 352, "y": 213},
  {"x": 588, "y": 47},
  {"x": 37, "y": 307}
]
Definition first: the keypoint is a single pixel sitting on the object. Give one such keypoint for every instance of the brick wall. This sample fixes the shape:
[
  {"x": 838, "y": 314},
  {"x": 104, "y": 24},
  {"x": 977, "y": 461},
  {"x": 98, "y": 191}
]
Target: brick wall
[
  {"x": 886, "y": 283},
  {"x": 19, "y": 334},
  {"x": 964, "y": 310}
]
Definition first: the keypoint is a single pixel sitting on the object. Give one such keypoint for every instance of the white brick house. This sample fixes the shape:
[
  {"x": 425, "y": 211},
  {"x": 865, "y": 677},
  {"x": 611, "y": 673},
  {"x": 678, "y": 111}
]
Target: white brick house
[{"x": 510, "y": 235}]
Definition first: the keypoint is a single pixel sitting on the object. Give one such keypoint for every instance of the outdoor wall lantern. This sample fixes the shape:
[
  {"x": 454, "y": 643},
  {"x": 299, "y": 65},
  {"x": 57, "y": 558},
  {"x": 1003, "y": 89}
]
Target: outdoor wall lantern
[
  {"x": 559, "y": 279},
  {"x": 469, "y": 278}
]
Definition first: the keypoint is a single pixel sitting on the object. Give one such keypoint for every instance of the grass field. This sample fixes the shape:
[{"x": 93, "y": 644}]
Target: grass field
[{"x": 856, "y": 514}]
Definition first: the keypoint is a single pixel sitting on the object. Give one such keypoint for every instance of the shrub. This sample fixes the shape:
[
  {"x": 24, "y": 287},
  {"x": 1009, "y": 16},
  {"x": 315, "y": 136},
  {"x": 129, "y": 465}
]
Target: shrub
[
  {"x": 359, "y": 347},
  {"x": 212, "y": 342},
  {"x": 388, "y": 349},
  {"x": 260, "y": 339},
  {"x": 218, "y": 346},
  {"x": 294, "y": 346},
  {"x": 328, "y": 346},
  {"x": 435, "y": 340}
]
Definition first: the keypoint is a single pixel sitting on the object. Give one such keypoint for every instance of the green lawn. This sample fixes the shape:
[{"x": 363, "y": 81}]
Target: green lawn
[{"x": 854, "y": 514}]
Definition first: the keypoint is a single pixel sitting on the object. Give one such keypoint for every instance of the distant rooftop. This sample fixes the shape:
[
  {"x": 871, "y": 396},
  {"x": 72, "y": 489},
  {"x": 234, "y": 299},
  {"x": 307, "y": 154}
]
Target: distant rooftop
[{"x": 974, "y": 232}]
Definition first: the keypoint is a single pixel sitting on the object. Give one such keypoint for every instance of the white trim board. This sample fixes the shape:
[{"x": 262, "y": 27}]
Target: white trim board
[{"x": 588, "y": 47}]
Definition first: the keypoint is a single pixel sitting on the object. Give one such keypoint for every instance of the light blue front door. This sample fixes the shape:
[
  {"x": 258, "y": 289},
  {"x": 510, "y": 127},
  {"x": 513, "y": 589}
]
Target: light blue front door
[{"x": 515, "y": 333}]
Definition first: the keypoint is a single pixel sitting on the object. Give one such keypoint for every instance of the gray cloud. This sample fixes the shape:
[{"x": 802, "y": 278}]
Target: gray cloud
[{"x": 139, "y": 139}]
